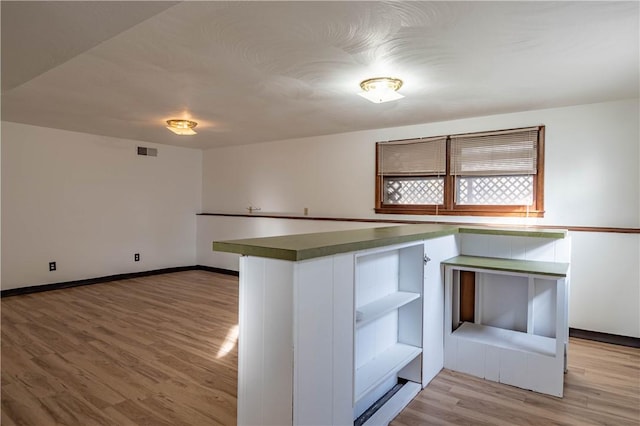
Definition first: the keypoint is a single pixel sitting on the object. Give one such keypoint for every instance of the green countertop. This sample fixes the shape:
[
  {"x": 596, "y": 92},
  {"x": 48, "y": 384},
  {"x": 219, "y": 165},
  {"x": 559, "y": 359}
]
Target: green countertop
[
  {"x": 309, "y": 246},
  {"x": 555, "y": 269},
  {"x": 518, "y": 232}
]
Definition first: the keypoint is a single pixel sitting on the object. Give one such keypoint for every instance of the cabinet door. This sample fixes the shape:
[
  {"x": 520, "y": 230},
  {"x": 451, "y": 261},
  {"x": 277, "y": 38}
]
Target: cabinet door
[{"x": 435, "y": 250}]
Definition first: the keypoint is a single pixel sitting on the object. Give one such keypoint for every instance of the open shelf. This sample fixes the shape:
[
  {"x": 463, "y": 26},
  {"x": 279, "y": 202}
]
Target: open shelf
[
  {"x": 393, "y": 407},
  {"x": 383, "y": 366},
  {"x": 382, "y": 306},
  {"x": 553, "y": 269},
  {"x": 507, "y": 339}
]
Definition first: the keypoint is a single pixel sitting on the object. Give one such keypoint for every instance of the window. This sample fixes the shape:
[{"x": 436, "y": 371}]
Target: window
[{"x": 498, "y": 173}]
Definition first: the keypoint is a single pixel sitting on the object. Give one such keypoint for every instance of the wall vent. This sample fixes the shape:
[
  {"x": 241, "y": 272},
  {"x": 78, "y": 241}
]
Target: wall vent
[{"x": 149, "y": 152}]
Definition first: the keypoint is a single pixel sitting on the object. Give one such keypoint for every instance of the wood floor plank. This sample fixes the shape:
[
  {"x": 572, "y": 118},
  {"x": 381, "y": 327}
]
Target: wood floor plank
[
  {"x": 81, "y": 381},
  {"x": 20, "y": 407},
  {"x": 161, "y": 350}
]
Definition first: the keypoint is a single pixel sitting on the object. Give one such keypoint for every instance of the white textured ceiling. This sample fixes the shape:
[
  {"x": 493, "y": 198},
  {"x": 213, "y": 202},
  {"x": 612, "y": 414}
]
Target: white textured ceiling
[{"x": 258, "y": 71}]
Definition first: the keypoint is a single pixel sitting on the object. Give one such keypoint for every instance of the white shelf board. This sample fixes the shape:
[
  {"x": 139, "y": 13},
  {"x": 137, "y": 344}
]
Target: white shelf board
[
  {"x": 507, "y": 339},
  {"x": 382, "y": 306},
  {"x": 383, "y": 366}
]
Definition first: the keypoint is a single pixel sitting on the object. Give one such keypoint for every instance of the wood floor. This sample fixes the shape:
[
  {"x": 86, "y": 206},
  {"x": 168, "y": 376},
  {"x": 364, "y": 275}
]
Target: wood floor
[
  {"x": 147, "y": 351},
  {"x": 161, "y": 350},
  {"x": 602, "y": 387}
]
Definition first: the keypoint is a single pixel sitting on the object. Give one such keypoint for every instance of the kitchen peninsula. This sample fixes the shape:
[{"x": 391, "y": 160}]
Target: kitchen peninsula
[{"x": 347, "y": 327}]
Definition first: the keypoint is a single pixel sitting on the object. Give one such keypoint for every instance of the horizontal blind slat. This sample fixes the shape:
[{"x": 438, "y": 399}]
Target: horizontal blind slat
[
  {"x": 412, "y": 157},
  {"x": 513, "y": 153}
]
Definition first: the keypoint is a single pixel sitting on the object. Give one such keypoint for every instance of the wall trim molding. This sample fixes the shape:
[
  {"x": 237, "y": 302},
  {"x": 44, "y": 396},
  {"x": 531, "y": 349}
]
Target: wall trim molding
[
  {"x": 216, "y": 270},
  {"x": 614, "y": 339},
  {"x": 109, "y": 278},
  {"x": 605, "y": 229}
]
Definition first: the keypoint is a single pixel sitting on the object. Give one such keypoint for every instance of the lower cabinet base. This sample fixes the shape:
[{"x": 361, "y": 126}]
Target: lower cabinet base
[
  {"x": 518, "y": 333},
  {"x": 526, "y": 370},
  {"x": 394, "y": 405}
]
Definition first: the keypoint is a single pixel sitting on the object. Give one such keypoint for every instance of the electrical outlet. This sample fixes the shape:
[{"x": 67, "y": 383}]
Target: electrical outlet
[
  {"x": 52, "y": 266},
  {"x": 136, "y": 257}
]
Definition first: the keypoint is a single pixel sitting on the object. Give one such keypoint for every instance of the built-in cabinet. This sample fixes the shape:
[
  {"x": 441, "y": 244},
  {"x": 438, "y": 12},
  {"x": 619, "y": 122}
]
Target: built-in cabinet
[
  {"x": 326, "y": 332},
  {"x": 519, "y": 330},
  {"x": 388, "y": 322}
]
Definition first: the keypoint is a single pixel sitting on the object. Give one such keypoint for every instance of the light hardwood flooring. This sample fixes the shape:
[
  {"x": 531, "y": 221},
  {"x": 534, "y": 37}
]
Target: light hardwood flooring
[
  {"x": 601, "y": 387},
  {"x": 160, "y": 350},
  {"x": 146, "y": 351}
]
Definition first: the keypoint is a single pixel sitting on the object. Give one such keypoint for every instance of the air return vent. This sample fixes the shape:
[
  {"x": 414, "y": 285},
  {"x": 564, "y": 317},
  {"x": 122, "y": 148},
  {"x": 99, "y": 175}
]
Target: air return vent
[{"x": 150, "y": 152}]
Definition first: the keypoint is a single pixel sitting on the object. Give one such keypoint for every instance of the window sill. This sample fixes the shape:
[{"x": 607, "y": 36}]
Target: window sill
[{"x": 502, "y": 211}]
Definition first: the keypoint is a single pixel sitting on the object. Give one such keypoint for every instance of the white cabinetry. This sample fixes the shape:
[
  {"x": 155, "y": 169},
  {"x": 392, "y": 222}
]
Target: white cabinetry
[
  {"x": 295, "y": 351},
  {"x": 322, "y": 340},
  {"x": 519, "y": 332},
  {"x": 330, "y": 322},
  {"x": 388, "y": 326}
]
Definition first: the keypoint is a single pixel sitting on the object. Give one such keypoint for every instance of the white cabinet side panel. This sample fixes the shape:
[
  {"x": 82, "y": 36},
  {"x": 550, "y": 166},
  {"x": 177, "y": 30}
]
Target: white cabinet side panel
[
  {"x": 544, "y": 307},
  {"x": 509, "y": 247},
  {"x": 265, "y": 346},
  {"x": 499, "y": 246},
  {"x": 563, "y": 250},
  {"x": 503, "y": 300},
  {"x": 513, "y": 368},
  {"x": 313, "y": 378},
  {"x": 542, "y": 249},
  {"x": 437, "y": 250},
  {"x": 343, "y": 326},
  {"x": 377, "y": 276},
  {"x": 471, "y": 357},
  {"x": 545, "y": 374},
  {"x": 278, "y": 337},
  {"x": 250, "y": 343},
  {"x": 450, "y": 341},
  {"x": 492, "y": 363},
  {"x": 519, "y": 247},
  {"x": 474, "y": 244}
]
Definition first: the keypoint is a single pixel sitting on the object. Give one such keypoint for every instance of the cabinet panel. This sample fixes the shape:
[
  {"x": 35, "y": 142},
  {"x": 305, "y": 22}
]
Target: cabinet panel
[
  {"x": 518, "y": 334},
  {"x": 313, "y": 329},
  {"x": 492, "y": 363},
  {"x": 343, "y": 334},
  {"x": 470, "y": 357},
  {"x": 513, "y": 368},
  {"x": 467, "y": 295},
  {"x": 544, "y": 308},
  {"x": 433, "y": 358},
  {"x": 376, "y": 276},
  {"x": 503, "y": 301},
  {"x": 542, "y": 374},
  {"x": 410, "y": 323},
  {"x": 265, "y": 381},
  {"x": 388, "y": 331}
]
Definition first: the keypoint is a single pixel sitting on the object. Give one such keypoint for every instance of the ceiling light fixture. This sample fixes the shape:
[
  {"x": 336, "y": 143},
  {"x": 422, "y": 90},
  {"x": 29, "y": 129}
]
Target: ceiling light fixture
[
  {"x": 381, "y": 89},
  {"x": 181, "y": 127}
]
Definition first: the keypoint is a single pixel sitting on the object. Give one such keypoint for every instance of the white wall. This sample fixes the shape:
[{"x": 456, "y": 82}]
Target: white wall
[
  {"x": 591, "y": 179},
  {"x": 592, "y": 156},
  {"x": 232, "y": 228},
  {"x": 90, "y": 202}
]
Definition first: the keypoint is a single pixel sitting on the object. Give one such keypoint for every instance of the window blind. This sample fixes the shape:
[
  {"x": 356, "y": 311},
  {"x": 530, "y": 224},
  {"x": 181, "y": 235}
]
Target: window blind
[
  {"x": 511, "y": 152},
  {"x": 413, "y": 157}
]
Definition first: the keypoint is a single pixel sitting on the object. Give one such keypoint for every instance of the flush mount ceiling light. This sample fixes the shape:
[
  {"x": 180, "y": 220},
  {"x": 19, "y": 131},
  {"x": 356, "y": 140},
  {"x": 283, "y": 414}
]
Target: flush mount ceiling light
[
  {"x": 381, "y": 89},
  {"x": 181, "y": 127}
]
